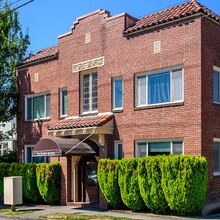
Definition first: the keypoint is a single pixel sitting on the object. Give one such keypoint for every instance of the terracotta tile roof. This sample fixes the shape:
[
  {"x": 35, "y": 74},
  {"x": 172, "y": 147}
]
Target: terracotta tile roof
[
  {"x": 183, "y": 10},
  {"x": 82, "y": 122},
  {"x": 42, "y": 54}
]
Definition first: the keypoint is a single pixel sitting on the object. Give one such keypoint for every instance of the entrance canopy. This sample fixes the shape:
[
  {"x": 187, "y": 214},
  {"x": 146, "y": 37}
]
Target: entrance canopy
[{"x": 65, "y": 147}]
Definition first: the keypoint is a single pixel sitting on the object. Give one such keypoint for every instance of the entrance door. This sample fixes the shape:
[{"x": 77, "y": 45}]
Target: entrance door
[{"x": 88, "y": 184}]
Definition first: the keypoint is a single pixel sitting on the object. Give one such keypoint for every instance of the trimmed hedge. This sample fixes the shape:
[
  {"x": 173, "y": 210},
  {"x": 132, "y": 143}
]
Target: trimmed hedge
[
  {"x": 4, "y": 168},
  {"x": 108, "y": 181},
  {"x": 149, "y": 180},
  {"x": 28, "y": 171},
  {"x": 184, "y": 181},
  {"x": 128, "y": 183},
  {"x": 176, "y": 183},
  {"x": 48, "y": 181}
]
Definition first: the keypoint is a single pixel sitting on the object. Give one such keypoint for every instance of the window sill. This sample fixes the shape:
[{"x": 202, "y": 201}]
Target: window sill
[
  {"x": 89, "y": 113},
  {"x": 63, "y": 116},
  {"x": 117, "y": 110},
  {"x": 217, "y": 174},
  {"x": 216, "y": 103},
  {"x": 175, "y": 104},
  {"x": 37, "y": 120}
]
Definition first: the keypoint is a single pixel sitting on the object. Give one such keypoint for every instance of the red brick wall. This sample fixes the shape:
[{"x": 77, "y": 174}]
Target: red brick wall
[
  {"x": 125, "y": 56},
  {"x": 210, "y": 112}
]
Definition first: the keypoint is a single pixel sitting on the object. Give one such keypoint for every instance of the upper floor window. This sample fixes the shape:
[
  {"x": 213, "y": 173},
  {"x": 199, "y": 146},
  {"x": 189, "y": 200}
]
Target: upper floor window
[
  {"x": 89, "y": 92},
  {"x": 118, "y": 150},
  {"x": 28, "y": 156},
  {"x": 117, "y": 93},
  {"x": 161, "y": 87},
  {"x": 216, "y": 85},
  {"x": 63, "y": 102},
  {"x": 37, "y": 106},
  {"x": 3, "y": 147},
  {"x": 153, "y": 148}
]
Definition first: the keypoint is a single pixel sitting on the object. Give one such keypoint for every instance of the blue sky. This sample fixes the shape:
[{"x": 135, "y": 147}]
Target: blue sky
[{"x": 47, "y": 19}]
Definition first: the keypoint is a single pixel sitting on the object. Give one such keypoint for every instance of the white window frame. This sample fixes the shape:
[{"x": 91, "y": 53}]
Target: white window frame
[
  {"x": 146, "y": 74},
  {"x": 2, "y": 150},
  {"x": 90, "y": 89},
  {"x": 116, "y": 154},
  {"x": 216, "y": 173},
  {"x": 33, "y": 96},
  {"x": 113, "y": 95},
  {"x": 217, "y": 69},
  {"x": 61, "y": 102},
  {"x": 157, "y": 141},
  {"x": 25, "y": 154}
]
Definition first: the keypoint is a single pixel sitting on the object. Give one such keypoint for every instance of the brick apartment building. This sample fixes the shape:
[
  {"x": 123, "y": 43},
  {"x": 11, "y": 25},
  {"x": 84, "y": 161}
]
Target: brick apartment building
[{"x": 119, "y": 86}]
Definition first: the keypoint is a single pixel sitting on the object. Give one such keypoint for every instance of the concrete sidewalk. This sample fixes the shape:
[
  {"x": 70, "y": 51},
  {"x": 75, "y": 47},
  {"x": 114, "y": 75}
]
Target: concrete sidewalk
[{"x": 41, "y": 210}]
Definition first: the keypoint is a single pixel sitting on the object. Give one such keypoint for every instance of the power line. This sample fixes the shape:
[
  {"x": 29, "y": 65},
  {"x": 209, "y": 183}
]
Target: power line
[{"x": 10, "y": 4}]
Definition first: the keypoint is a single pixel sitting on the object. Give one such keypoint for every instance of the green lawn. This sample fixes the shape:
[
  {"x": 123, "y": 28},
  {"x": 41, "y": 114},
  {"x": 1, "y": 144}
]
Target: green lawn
[
  {"x": 62, "y": 216},
  {"x": 9, "y": 212}
]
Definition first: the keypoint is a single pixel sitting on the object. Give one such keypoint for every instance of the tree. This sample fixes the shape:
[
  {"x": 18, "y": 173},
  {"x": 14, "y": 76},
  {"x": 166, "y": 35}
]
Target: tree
[{"x": 13, "y": 47}]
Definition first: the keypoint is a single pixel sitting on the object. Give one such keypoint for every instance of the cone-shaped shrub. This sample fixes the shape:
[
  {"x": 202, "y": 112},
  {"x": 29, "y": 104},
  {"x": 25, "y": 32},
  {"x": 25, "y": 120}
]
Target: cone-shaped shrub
[
  {"x": 48, "y": 181},
  {"x": 108, "y": 181},
  {"x": 184, "y": 181},
  {"x": 128, "y": 183},
  {"x": 149, "y": 180}
]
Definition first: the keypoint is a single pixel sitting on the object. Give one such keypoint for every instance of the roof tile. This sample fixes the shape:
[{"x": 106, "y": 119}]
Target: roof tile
[
  {"x": 174, "y": 13},
  {"x": 42, "y": 54},
  {"x": 81, "y": 122}
]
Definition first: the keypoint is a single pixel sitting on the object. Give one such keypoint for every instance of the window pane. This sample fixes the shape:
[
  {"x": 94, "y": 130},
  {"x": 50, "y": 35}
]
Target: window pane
[
  {"x": 29, "y": 108},
  {"x": 177, "y": 147},
  {"x": 94, "y": 92},
  {"x": 216, "y": 157},
  {"x": 118, "y": 151},
  {"x": 86, "y": 94},
  {"x": 118, "y": 93},
  {"x": 140, "y": 150},
  {"x": 177, "y": 85},
  {"x": 29, "y": 154},
  {"x": 142, "y": 90},
  {"x": 216, "y": 87},
  {"x": 64, "y": 104},
  {"x": 159, "y": 148},
  {"x": 159, "y": 88},
  {"x": 48, "y": 105},
  {"x": 38, "y": 105}
]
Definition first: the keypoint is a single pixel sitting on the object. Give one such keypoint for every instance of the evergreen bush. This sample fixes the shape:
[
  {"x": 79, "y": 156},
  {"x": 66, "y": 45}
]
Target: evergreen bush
[
  {"x": 184, "y": 181},
  {"x": 108, "y": 181},
  {"x": 4, "y": 172},
  {"x": 149, "y": 180},
  {"x": 48, "y": 181},
  {"x": 128, "y": 183}
]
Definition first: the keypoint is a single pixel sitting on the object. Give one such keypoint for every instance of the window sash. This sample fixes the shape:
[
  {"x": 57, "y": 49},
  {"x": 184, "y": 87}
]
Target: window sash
[
  {"x": 117, "y": 93},
  {"x": 216, "y": 152},
  {"x": 216, "y": 86},
  {"x": 29, "y": 159},
  {"x": 63, "y": 102},
  {"x": 118, "y": 150},
  {"x": 38, "y": 107},
  {"x": 89, "y": 92},
  {"x": 159, "y": 88},
  {"x": 152, "y": 148}
]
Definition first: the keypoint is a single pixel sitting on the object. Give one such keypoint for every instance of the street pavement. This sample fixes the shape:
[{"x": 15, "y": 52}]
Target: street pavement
[{"x": 41, "y": 210}]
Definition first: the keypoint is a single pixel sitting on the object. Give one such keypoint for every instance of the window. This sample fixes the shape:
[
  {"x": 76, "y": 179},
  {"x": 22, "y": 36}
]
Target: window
[
  {"x": 118, "y": 150},
  {"x": 28, "y": 156},
  {"x": 3, "y": 147},
  {"x": 117, "y": 93},
  {"x": 216, "y": 85},
  {"x": 89, "y": 91},
  {"x": 159, "y": 87},
  {"x": 37, "y": 106},
  {"x": 216, "y": 152},
  {"x": 63, "y": 102},
  {"x": 152, "y": 148}
]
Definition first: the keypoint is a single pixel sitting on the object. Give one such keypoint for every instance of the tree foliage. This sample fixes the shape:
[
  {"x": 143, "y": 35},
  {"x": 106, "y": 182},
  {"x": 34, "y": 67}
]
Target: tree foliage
[{"x": 13, "y": 47}]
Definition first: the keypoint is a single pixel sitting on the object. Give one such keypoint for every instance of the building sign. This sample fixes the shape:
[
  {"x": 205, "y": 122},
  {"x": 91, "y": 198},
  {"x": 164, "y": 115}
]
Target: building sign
[
  {"x": 89, "y": 64},
  {"x": 54, "y": 153}
]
